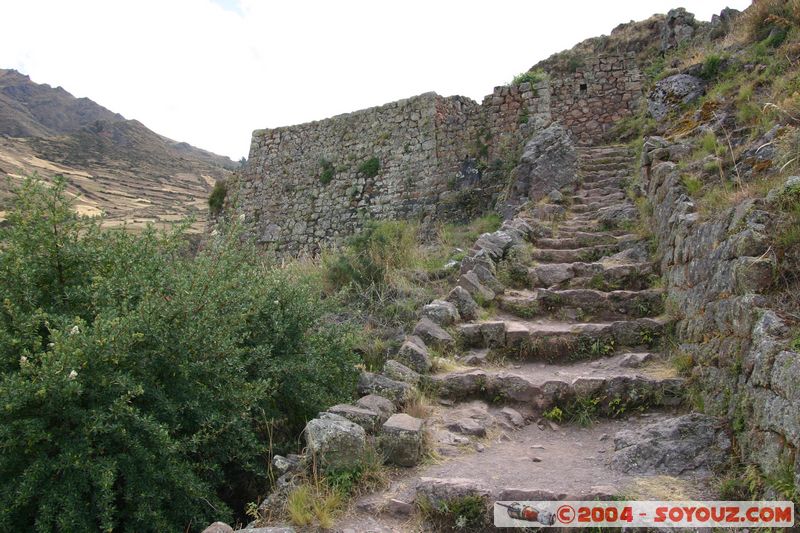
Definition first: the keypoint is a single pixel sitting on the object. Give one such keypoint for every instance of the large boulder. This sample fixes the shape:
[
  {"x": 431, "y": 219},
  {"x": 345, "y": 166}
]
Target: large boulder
[
  {"x": 401, "y": 440},
  {"x": 441, "y": 312},
  {"x": 472, "y": 284},
  {"x": 467, "y": 307},
  {"x": 414, "y": 354},
  {"x": 366, "y": 418},
  {"x": 441, "y": 491},
  {"x": 335, "y": 443},
  {"x": 495, "y": 244},
  {"x": 685, "y": 444},
  {"x": 378, "y": 404},
  {"x": 549, "y": 161},
  {"x": 673, "y": 92},
  {"x": 218, "y": 527},
  {"x": 396, "y": 391},
  {"x": 432, "y": 333},
  {"x": 399, "y": 372},
  {"x": 266, "y": 530}
]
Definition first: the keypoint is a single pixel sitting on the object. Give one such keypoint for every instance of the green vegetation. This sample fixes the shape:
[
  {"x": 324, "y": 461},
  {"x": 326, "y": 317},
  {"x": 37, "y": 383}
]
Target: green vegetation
[
  {"x": 583, "y": 410},
  {"x": 693, "y": 185},
  {"x": 554, "y": 415},
  {"x": 532, "y": 76},
  {"x": 142, "y": 388},
  {"x": 523, "y": 116},
  {"x": 216, "y": 201},
  {"x": 369, "y": 257},
  {"x": 770, "y": 21},
  {"x": 712, "y": 67},
  {"x": 513, "y": 272},
  {"x": 370, "y": 167},
  {"x": 327, "y": 171},
  {"x": 467, "y": 513}
]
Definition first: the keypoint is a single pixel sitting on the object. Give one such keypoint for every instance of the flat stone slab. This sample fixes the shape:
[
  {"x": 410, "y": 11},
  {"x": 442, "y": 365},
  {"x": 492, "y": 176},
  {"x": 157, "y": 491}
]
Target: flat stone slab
[{"x": 403, "y": 422}]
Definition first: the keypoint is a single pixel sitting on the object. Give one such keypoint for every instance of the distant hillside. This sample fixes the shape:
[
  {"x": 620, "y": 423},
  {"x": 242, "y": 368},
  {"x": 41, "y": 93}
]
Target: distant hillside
[{"x": 118, "y": 167}]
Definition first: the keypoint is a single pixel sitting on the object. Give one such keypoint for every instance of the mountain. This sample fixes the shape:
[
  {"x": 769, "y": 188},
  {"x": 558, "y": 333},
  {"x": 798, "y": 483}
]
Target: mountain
[{"x": 117, "y": 167}]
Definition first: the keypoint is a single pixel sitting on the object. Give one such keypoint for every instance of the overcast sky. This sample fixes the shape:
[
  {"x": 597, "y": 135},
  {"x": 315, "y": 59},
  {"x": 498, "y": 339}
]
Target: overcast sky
[{"x": 208, "y": 72}]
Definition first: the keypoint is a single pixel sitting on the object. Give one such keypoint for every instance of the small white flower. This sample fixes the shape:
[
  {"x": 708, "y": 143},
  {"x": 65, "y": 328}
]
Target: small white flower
[
  {"x": 75, "y": 330},
  {"x": 241, "y": 217},
  {"x": 73, "y": 375},
  {"x": 23, "y": 360},
  {"x": 51, "y": 345}
]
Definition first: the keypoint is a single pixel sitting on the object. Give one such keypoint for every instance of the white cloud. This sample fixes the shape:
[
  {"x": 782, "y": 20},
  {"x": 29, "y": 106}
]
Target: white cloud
[{"x": 210, "y": 72}]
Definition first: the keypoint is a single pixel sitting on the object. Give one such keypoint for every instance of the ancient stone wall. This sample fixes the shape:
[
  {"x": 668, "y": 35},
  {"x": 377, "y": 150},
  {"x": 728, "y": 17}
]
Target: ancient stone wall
[
  {"x": 437, "y": 158},
  {"x": 599, "y": 92},
  {"x": 716, "y": 272},
  {"x": 311, "y": 184}
]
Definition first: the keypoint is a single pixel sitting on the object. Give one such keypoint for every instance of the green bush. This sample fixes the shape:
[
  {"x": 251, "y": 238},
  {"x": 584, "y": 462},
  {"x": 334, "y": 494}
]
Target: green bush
[
  {"x": 370, "y": 167},
  {"x": 139, "y": 385},
  {"x": 532, "y": 76},
  {"x": 216, "y": 201},
  {"x": 327, "y": 171},
  {"x": 711, "y": 67},
  {"x": 370, "y": 255}
]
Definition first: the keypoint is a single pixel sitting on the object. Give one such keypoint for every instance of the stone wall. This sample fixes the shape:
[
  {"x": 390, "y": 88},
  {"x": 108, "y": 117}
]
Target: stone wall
[
  {"x": 716, "y": 272},
  {"x": 600, "y": 91},
  {"x": 306, "y": 185},
  {"x": 439, "y": 158}
]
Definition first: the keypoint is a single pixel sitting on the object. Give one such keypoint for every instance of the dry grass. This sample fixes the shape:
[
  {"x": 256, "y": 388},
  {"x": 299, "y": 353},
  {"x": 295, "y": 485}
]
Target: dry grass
[
  {"x": 314, "y": 503},
  {"x": 419, "y": 405},
  {"x": 765, "y": 15}
]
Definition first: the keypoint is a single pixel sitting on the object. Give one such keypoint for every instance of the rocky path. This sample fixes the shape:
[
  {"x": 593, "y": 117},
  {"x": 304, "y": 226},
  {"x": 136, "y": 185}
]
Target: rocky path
[{"x": 564, "y": 392}]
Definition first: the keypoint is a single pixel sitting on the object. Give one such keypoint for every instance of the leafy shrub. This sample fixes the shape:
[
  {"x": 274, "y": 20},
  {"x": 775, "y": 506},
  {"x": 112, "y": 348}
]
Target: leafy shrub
[
  {"x": 327, "y": 171},
  {"x": 711, "y": 67},
  {"x": 555, "y": 414},
  {"x": 370, "y": 167},
  {"x": 532, "y": 76},
  {"x": 216, "y": 201},
  {"x": 138, "y": 384}
]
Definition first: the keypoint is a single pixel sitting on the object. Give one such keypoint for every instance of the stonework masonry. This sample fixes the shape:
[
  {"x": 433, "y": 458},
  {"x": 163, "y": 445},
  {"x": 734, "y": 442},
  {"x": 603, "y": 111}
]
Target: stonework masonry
[
  {"x": 426, "y": 158},
  {"x": 716, "y": 273}
]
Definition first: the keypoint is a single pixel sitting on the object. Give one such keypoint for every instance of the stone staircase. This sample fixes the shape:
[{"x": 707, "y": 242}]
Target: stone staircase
[{"x": 565, "y": 362}]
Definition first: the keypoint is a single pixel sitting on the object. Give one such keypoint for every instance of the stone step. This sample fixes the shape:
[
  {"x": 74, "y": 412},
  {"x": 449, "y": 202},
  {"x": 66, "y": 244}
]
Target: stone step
[
  {"x": 614, "y": 194},
  {"x": 582, "y": 194},
  {"x": 595, "y": 152},
  {"x": 605, "y": 157},
  {"x": 591, "y": 184},
  {"x": 606, "y": 389},
  {"x": 583, "y": 303},
  {"x": 593, "y": 207},
  {"x": 598, "y": 275},
  {"x": 586, "y": 254},
  {"x": 611, "y": 166},
  {"x": 577, "y": 240},
  {"x": 567, "y": 229},
  {"x": 552, "y": 340}
]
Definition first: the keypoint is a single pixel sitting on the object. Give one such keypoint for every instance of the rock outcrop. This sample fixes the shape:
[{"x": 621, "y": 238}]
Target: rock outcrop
[{"x": 548, "y": 162}]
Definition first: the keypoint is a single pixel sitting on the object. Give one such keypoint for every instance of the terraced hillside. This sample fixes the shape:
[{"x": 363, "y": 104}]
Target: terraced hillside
[{"x": 117, "y": 167}]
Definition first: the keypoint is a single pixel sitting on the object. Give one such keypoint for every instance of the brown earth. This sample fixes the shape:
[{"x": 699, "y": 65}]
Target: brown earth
[{"x": 117, "y": 168}]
